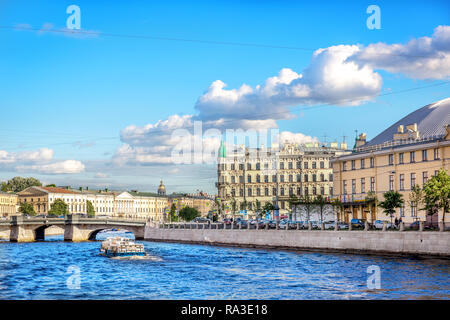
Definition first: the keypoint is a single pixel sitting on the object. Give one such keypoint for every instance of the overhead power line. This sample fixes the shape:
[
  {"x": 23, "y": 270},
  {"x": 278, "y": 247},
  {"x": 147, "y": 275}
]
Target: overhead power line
[{"x": 214, "y": 42}]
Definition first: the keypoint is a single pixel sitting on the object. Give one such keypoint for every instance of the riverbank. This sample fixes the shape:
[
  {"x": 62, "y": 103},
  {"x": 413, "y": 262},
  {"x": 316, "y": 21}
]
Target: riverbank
[{"x": 427, "y": 243}]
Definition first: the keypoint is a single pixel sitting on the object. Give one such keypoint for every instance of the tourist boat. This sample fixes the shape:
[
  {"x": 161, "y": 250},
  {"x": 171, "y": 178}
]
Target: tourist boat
[{"x": 121, "y": 247}]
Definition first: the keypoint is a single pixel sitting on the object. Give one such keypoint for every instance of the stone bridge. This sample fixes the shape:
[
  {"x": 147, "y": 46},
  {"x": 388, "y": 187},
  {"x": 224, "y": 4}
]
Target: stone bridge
[{"x": 76, "y": 228}]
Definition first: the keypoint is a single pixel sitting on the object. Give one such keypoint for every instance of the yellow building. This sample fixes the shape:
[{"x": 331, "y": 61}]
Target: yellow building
[
  {"x": 8, "y": 204},
  {"x": 408, "y": 153}
]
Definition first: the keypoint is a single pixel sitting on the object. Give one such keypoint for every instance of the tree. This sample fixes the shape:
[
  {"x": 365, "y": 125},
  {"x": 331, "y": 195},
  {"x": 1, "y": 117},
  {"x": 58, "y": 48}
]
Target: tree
[
  {"x": 188, "y": 213},
  {"x": 51, "y": 185},
  {"x": 173, "y": 211},
  {"x": 90, "y": 209},
  {"x": 59, "y": 208},
  {"x": 320, "y": 202},
  {"x": 371, "y": 200},
  {"x": 337, "y": 205},
  {"x": 18, "y": 184},
  {"x": 27, "y": 209},
  {"x": 233, "y": 207},
  {"x": 392, "y": 201},
  {"x": 308, "y": 203},
  {"x": 437, "y": 193},
  {"x": 268, "y": 207},
  {"x": 416, "y": 197}
]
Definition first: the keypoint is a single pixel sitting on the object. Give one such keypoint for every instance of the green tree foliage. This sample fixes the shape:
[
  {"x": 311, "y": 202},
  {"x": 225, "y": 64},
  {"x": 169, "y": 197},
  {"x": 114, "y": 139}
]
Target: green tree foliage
[
  {"x": 51, "y": 185},
  {"x": 371, "y": 200},
  {"x": 18, "y": 184},
  {"x": 437, "y": 193},
  {"x": 58, "y": 208},
  {"x": 338, "y": 206},
  {"x": 188, "y": 213},
  {"x": 27, "y": 209},
  {"x": 90, "y": 209},
  {"x": 416, "y": 197},
  {"x": 172, "y": 214},
  {"x": 392, "y": 201}
]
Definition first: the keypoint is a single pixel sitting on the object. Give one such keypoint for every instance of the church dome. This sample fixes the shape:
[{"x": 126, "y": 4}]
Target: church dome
[{"x": 161, "y": 189}]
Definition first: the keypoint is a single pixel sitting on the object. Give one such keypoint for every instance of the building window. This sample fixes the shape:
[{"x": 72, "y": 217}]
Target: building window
[
  {"x": 241, "y": 179},
  {"x": 436, "y": 154},
  {"x": 233, "y": 193},
  {"x": 322, "y": 165},
  {"x": 258, "y": 178},
  {"x": 401, "y": 158},
  {"x": 266, "y": 178},
  {"x": 282, "y": 191},
  {"x": 331, "y": 191},
  {"x": 363, "y": 185},
  {"x": 232, "y": 166},
  {"x": 391, "y": 159},
  {"x": 258, "y": 192},
  {"x": 412, "y": 156},
  {"x": 413, "y": 180},
  {"x": 291, "y": 191},
  {"x": 424, "y": 155},
  {"x": 233, "y": 179},
  {"x": 322, "y": 177},
  {"x": 330, "y": 177},
  {"x": 305, "y": 165},
  {"x": 299, "y": 191},
  {"x": 306, "y": 178},
  {"x": 282, "y": 178},
  {"x": 402, "y": 182},
  {"x": 282, "y": 165},
  {"x": 402, "y": 211},
  {"x": 282, "y": 204},
  {"x": 344, "y": 166},
  {"x": 314, "y": 178},
  {"x": 391, "y": 182},
  {"x": 274, "y": 191},
  {"x": 424, "y": 177},
  {"x": 372, "y": 184},
  {"x": 344, "y": 186},
  {"x": 414, "y": 211},
  {"x": 266, "y": 191},
  {"x": 353, "y": 186},
  {"x": 372, "y": 162},
  {"x": 299, "y": 165},
  {"x": 241, "y": 166},
  {"x": 290, "y": 165},
  {"x": 314, "y": 190},
  {"x": 249, "y": 178},
  {"x": 306, "y": 191},
  {"x": 299, "y": 178},
  {"x": 249, "y": 192},
  {"x": 241, "y": 192},
  {"x": 314, "y": 165},
  {"x": 274, "y": 178},
  {"x": 291, "y": 178},
  {"x": 362, "y": 164},
  {"x": 353, "y": 165}
]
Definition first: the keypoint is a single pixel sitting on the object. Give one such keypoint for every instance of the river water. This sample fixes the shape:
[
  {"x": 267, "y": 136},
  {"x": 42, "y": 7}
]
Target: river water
[{"x": 55, "y": 269}]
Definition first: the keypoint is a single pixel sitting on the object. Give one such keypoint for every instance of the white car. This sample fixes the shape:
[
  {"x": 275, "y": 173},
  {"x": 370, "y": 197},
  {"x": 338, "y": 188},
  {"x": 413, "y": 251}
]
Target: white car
[{"x": 378, "y": 224}]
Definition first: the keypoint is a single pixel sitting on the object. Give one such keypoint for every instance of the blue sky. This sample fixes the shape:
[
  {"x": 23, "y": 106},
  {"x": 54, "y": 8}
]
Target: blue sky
[{"x": 74, "y": 95}]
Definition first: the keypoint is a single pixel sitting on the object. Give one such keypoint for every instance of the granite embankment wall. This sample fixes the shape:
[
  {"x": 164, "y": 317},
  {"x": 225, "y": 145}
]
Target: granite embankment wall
[{"x": 381, "y": 242}]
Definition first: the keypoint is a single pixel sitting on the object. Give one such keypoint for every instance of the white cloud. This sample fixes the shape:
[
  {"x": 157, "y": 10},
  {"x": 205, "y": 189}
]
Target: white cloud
[
  {"x": 63, "y": 167},
  {"x": 422, "y": 58},
  {"x": 43, "y": 154},
  {"x": 101, "y": 175}
]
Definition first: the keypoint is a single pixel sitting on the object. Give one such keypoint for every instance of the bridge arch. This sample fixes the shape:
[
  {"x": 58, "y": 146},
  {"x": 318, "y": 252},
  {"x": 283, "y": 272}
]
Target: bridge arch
[
  {"x": 39, "y": 232},
  {"x": 93, "y": 235}
]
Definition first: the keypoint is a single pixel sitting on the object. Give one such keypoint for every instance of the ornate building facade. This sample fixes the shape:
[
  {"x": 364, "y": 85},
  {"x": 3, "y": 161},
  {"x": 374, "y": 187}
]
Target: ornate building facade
[
  {"x": 250, "y": 178},
  {"x": 406, "y": 154}
]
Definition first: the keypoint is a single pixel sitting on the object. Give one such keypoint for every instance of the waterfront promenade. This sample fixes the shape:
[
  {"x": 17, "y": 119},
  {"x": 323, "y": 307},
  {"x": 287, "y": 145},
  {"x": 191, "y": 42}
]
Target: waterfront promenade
[{"x": 428, "y": 243}]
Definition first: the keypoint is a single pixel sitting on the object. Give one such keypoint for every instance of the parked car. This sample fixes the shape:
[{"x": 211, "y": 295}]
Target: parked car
[
  {"x": 315, "y": 225},
  {"x": 328, "y": 225},
  {"x": 378, "y": 224},
  {"x": 227, "y": 221},
  {"x": 357, "y": 223},
  {"x": 201, "y": 220},
  {"x": 242, "y": 223},
  {"x": 415, "y": 225},
  {"x": 272, "y": 224}
]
